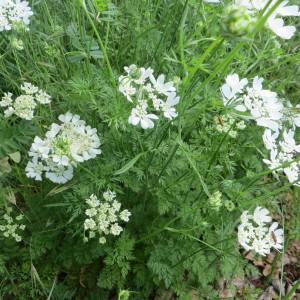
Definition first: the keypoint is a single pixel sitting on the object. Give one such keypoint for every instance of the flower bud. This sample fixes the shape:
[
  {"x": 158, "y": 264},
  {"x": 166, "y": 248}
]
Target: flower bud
[
  {"x": 238, "y": 21},
  {"x": 215, "y": 200},
  {"x": 17, "y": 44}
]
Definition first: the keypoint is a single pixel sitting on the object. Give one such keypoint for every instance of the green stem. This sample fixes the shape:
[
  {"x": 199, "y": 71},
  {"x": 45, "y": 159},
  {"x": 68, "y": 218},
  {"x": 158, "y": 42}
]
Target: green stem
[{"x": 99, "y": 40}]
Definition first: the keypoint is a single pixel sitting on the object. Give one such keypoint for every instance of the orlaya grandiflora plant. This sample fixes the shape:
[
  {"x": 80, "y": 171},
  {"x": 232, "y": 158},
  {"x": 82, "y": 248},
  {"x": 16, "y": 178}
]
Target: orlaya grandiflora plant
[
  {"x": 149, "y": 95},
  {"x": 279, "y": 118},
  {"x": 65, "y": 145},
  {"x": 258, "y": 234}
]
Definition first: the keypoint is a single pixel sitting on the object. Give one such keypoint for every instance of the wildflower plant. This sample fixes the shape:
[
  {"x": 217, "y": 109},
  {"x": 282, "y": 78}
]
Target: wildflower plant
[
  {"x": 257, "y": 233},
  {"x": 64, "y": 146},
  {"x": 103, "y": 217},
  {"x": 150, "y": 95},
  {"x": 277, "y": 116},
  {"x": 217, "y": 149},
  {"x": 24, "y": 105}
]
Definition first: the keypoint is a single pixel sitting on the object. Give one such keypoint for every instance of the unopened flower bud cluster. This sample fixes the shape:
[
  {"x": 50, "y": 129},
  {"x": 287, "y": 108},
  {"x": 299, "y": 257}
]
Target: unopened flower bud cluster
[
  {"x": 279, "y": 118},
  {"x": 150, "y": 96},
  {"x": 64, "y": 146},
  {"x": 227, "y": 124},
  {"x": 11, "y": 227},
  {"x": 256, "y": 232},
  {"x": 215, "y": 200},
  {"x": 14, "y": 13},
  {"x": 24, "y": 105},
  {"x": 238, "y": 20},
  {"x": 103, "y": 217}
]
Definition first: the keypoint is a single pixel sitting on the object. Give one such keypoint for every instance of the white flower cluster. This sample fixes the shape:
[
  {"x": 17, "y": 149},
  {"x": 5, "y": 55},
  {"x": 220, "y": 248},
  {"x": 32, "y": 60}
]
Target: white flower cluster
[
  {"x": 256, "y": 233},
  {"x": 14, "y": 12},
  {"x": 224, "y": 123},
  {"x": 65, "y": 146},
  {"x": 24, "y": 105},
  {"x": 103, "y": 217},
  {"x": 268, "y": 110},
  {"x": 149, "y": 95},
  {"x": 12, "y": 227},
  {"x": 283, "y": 150},
  {"x": 275, "y": 21}
]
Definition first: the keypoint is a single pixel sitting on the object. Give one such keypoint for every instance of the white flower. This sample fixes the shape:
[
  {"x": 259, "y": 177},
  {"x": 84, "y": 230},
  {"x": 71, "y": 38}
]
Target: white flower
[
  {"x": 60, "y": 174},
  {"x": 274, "y": 162},
  {"x": 64, "y": 146},
  {"x": 144, "y": 74},
  {"x": 29, "y": 88},
  {"x": 104, "y": 216},
  {"x": 116, "y": 205},
  {"x": 244, "y": 237},
  {"x": 140, "y": 115},
  {"x": 109, "y": 195},
  {"x": 34, "y": 169},
  {"x": 288, "y": 144},
  {"x": 93, "y": 201},
  {"x": 42, "y": 97},
  {"x": 278, "y": 27},
  {"x": 40, "y": 148},
  {"x": 61, "y": 160},
  {"x": 265, "y": 107},
  {"x": 292, "y": 172},
  {"x": 89, "y": 224},
  {"x": 91, "y": 212},
  {"x": 274, "y": 21},
  {"x": 261, "y": 246},
  {"x": 277, "y": 24},
  {"x": 9, "y": 112},
  {"x": 6, "y": 100},
  {"x": 168, "y": 106},
  {"x": 115, "y": 229},
  {"x": 276, "y": 236},
  {"x": 131, "y": 69},
  {"x": 261, "y": 216},
  {"x": 148, "y": 94},
  {"x": 126, "y": 88},
  {"x": 256, "y": 233},
  {"x": 124, "y": 215},
  {"x": 241, "y": 125},
  {"x": 231, "y": 88},
  {"x": 161, "y": 86},
  {"x": 102, "y": 240},
  {"x": 13, "y": 12},
  {"x": 24, "y": 106},
  {"x": 270, "y": 138}
]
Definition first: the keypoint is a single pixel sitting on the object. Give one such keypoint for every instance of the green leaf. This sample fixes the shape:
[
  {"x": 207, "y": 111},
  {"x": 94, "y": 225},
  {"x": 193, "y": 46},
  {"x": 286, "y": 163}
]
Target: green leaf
[
  {"x": 16, "y": 157},
  {"x": 5, "y": 167},
  {"x": 130, "y": 164}
]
